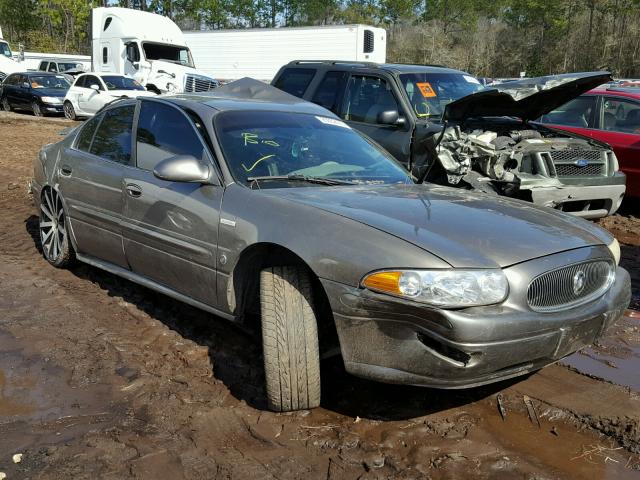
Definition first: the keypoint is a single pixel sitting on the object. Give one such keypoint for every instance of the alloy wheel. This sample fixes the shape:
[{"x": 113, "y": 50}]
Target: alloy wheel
[
  {"x": 36, "y": 109},
  {"x": 53, "y": 232},
  {"x": 6, "y": 106},
  {"x": 69, "y": 112}
]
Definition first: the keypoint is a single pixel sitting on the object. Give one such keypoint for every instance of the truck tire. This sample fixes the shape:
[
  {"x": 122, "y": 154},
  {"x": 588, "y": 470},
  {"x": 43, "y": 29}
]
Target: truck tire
[{"x": 289, "y": 339}]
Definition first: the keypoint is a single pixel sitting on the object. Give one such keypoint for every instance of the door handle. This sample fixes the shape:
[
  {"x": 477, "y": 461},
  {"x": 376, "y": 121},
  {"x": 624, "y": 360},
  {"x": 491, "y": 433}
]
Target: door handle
[
  {"x": 65, "y": 170},
  {"x": 134, "y": 190}
]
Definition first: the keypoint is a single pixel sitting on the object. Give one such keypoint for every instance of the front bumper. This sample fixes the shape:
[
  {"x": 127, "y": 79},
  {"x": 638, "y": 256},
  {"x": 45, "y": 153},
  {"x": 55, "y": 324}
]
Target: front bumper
[
  {"x": 397, "y": 341},
  {"x": 586, "y": 201},
  {"x": 52, "y": 108}
]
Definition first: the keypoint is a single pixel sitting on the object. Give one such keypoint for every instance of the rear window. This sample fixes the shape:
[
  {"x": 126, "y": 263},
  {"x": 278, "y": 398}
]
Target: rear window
[
  {"x": 295, "y": 80},
  {"x": 86, "y": 134}
]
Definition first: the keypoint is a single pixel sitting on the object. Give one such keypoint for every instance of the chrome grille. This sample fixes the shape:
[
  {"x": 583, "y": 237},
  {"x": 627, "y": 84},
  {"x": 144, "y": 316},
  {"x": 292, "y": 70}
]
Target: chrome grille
[
  {"x": 555, "y": 290},
  {"x": 196, "y": 83},
  {"x": 572, "y": 170}
]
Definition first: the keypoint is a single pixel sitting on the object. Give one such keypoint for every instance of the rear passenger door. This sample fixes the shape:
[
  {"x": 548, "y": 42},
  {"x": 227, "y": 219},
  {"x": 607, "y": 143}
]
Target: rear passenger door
[
  {"x": 90, "y": 177},
  {"x": 171, "y": 228},
  {"x": 365, "y": 98}
]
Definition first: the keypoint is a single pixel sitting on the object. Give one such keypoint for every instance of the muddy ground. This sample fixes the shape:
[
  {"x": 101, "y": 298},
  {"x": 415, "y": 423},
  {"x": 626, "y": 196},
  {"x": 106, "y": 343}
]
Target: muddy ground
[{"x": 101, "y": 378}]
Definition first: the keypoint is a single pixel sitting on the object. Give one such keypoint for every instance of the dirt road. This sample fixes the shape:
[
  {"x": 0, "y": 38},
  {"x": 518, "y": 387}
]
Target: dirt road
[{"x": 101, "y": 378}]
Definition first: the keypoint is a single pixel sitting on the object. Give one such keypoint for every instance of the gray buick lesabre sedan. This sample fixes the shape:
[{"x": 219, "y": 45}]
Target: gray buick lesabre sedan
[{"x": 250, "y": 200}]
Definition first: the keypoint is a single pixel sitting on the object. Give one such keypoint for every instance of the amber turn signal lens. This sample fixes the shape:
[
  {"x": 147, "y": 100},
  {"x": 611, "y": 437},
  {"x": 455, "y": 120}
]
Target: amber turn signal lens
[{"x": 383, "y": 282}]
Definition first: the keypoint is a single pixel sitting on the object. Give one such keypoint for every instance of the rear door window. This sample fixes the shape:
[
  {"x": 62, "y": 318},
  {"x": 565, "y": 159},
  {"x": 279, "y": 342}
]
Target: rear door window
[
  {"x": 327, "y": 93},
  {"x": 112, "y": 140},
  {"x": 164, "y": 132},
  {"x": 295, "y": 80}
]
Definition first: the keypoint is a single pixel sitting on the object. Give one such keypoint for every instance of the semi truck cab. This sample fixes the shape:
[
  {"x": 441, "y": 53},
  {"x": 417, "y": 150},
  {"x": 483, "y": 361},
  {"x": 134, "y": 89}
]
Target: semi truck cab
[{"x": 147, "y": 47}]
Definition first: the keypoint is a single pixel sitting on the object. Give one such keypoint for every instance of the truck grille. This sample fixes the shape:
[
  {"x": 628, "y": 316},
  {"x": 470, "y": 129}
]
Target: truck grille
[
  {"x": 579, "y": 163},
  {"x": 196, "y": 83},
  {"x": 573, "y": 170},
  {"x": 570, "y": 286}
]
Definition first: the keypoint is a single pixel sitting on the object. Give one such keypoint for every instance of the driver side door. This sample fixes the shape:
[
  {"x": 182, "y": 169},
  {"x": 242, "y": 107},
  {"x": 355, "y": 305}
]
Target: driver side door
[
  {"x": 90, "y": 100},
  {"x": 171, "y": 228},
  {"x": 367, "y": 96}
]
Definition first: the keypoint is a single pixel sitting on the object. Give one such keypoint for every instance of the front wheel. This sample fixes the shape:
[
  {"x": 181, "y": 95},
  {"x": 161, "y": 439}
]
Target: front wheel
[
  {"x": 37, "y": 111},
  {"x": 69, "y": 111},
  {"x": 54, "y": 232},
  {"x": 289, "y": 339},
  {"x": 6, "y": 106}
]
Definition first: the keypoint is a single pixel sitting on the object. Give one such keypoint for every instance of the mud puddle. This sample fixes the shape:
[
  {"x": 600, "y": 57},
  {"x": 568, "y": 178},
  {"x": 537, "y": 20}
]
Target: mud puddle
[{"x": 616, "y": 357}]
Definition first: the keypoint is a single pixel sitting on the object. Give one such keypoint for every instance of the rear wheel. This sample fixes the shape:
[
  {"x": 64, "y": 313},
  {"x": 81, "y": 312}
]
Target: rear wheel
[
  {"x": 6, "y": 106},
  {"x": 289, "y": 339},
  {"x": 54, "y": 234},
  {"x": 69, "y": 111},
  {"x": 35, "y": 108}
]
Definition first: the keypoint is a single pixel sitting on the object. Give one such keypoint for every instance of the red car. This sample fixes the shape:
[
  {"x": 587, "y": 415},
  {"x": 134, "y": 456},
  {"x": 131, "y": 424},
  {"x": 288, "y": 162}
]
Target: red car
[{"x": 611, "y": 115}]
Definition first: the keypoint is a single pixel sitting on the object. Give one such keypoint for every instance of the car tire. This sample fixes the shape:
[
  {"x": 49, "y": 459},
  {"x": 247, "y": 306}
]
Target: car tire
[
  {"x": 69, "y": 111},
  {"x": 6, "y": 106},
  {"x": 37, "y": 111},
  {"x": 289, "y": 339},
  {"x": 54, "y": 230}
]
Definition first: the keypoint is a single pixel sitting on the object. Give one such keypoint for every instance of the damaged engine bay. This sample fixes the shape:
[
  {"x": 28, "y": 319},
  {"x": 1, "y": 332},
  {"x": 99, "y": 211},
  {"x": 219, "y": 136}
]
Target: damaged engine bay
[{"x": 510, "y": 161}]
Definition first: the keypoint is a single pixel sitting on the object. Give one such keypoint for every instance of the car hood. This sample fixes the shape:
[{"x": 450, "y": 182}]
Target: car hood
[
  {"x": 49, "y": 92},
  {"x": 465, "y": 229},
  {"x": 526, "y": 99}
]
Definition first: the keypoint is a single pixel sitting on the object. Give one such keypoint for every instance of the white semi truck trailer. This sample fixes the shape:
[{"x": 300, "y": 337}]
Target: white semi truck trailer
[
  {"x": 147, "y": 47},
  {"x": 260, "y": 52}
]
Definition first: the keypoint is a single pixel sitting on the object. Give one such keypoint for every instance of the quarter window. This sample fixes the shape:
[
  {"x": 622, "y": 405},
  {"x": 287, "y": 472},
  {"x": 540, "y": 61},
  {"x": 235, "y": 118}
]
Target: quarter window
[
  {"x": 366, "y": 98},
  {"x": 620, "y": 115},
  {"x": 85, "y": 136},
  {"x": 112, "y": 140},
  {"x": 164, "y": 132},
  {"x": 295, "y": 80}
]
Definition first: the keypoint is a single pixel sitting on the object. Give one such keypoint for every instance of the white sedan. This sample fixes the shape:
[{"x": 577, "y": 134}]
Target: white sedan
[{"x": 92, "y": 91}]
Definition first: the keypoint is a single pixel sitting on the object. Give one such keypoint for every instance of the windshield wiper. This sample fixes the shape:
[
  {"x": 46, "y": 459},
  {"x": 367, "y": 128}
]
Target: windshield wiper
[{"x": 300, "y": 178}]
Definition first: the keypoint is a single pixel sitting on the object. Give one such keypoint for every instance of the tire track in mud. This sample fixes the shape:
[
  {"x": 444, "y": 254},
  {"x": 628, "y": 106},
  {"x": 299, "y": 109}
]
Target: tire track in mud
[{"x": 138, "y": 385}]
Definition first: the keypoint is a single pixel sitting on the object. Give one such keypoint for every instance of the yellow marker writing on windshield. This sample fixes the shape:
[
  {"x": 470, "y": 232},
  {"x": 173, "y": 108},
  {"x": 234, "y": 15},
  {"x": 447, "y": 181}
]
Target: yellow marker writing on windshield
[{"x": 257, "y": 162}]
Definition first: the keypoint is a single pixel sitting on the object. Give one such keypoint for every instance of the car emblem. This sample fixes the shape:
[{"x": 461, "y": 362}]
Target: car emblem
[
  {"x": 578, "y": 282},
  {"x": 582, "y": 163}
]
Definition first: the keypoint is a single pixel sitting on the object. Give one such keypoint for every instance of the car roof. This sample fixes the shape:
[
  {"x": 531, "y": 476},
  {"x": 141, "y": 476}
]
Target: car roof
[
  {"x": 389, "y": 67},
  {"x": 249, "y": 94},
  {"x": 630, "y": 92}
]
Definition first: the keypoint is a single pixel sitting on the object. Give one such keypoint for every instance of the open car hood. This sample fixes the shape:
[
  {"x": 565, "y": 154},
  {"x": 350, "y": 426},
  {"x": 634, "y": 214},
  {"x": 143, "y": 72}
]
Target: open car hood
[{"x": 526, "y": 99}]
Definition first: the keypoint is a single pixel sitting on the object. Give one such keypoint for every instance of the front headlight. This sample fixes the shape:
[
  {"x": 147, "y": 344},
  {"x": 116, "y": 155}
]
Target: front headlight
[
  {"x": 443, "y": 288},
  {"x": 614, "y": 247},
  {"x": 56, "y": 100}
]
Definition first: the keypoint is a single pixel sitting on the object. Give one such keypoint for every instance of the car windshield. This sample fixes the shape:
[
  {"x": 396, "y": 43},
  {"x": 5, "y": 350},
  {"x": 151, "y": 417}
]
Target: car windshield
[
  {"x": 63, "y": 67},
  {"x": 167, "y": 53},
  {"x": 259, "y": 145},
  {"x": 429, "y": 93},
  {"x": 54, "y": 82},
  {"x": 116, "y": 82}
]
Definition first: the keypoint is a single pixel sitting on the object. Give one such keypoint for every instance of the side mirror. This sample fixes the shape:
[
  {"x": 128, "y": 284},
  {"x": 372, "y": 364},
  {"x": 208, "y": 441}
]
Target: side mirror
[
  {"x": 95, "y": 87},
  {"x": 183, "y": 168},
  {"x": 390, "y": 117}
]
